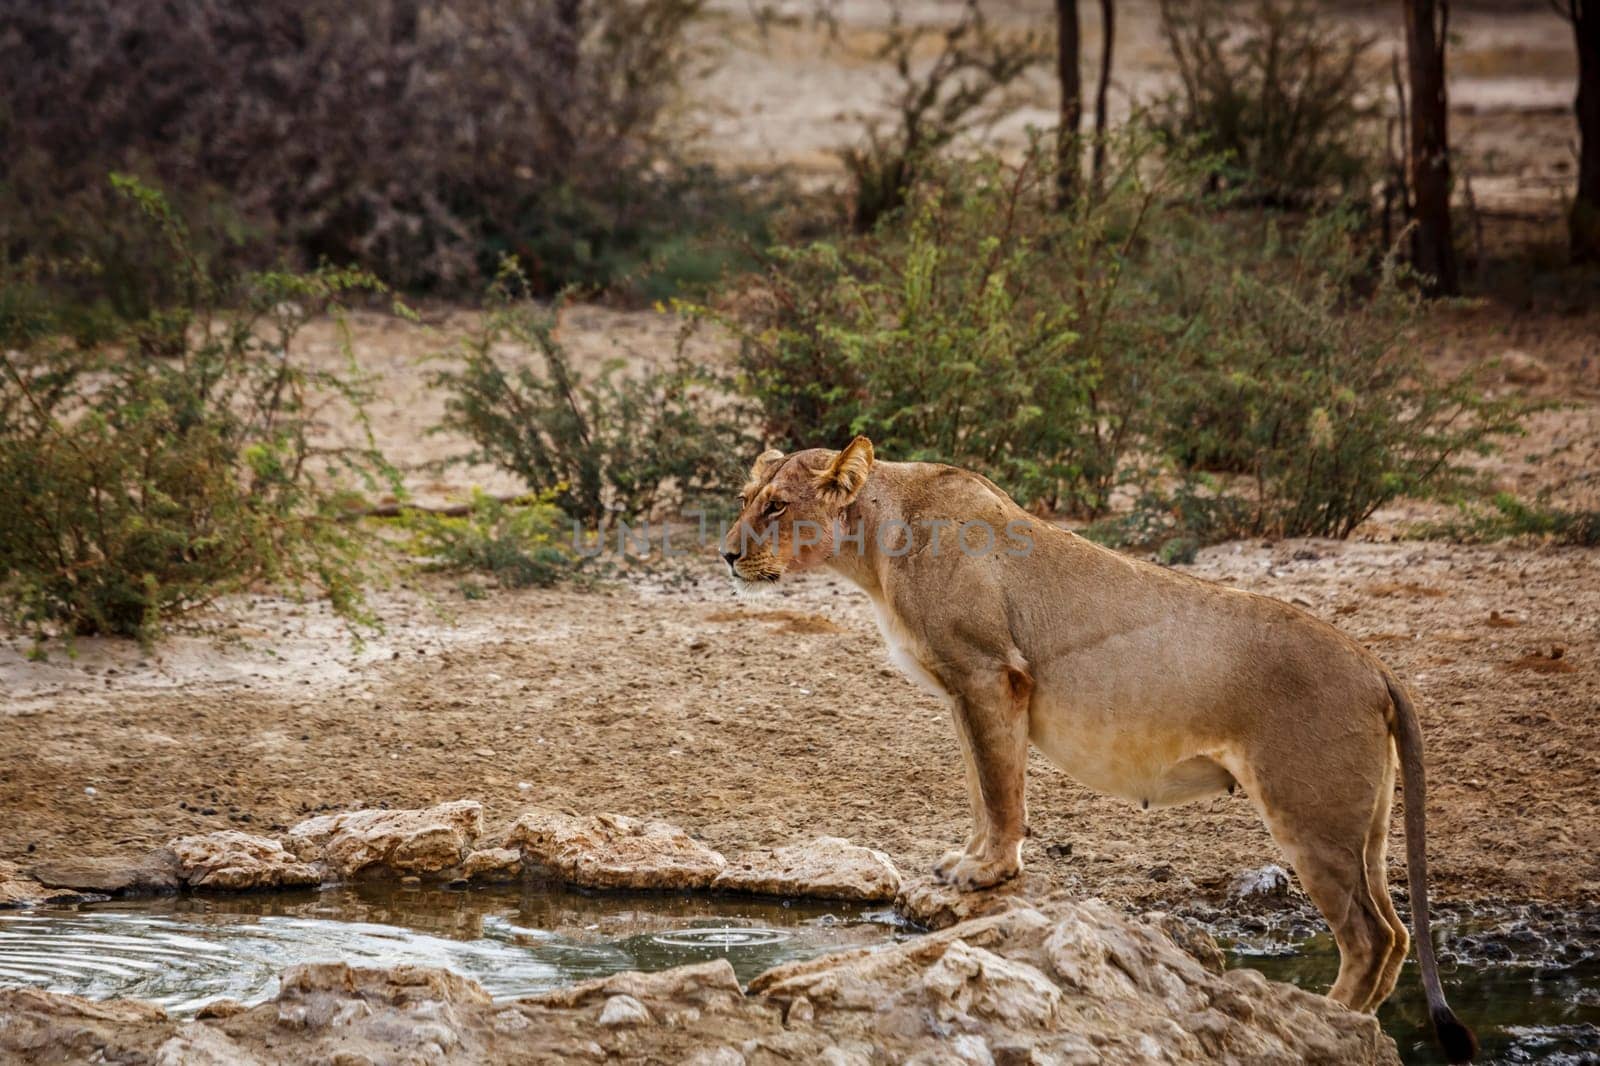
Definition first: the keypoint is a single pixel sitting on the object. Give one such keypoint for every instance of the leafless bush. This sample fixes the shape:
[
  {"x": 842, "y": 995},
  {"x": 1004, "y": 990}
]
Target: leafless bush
[
  {"x": 972, "y": 81},
  {"x": 420, "y": 139}
]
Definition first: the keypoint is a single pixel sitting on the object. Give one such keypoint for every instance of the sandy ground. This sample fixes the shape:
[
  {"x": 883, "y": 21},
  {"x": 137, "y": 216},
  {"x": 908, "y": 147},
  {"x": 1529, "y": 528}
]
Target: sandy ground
[
  {"x": 760, "y": 722},
  {"x": 766, "y": 722}
]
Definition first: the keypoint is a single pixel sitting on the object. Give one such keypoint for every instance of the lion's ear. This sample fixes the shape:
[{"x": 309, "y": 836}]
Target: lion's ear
[
  {"x": 843, "y": 478},
  {"x": 765, "y": 462}
]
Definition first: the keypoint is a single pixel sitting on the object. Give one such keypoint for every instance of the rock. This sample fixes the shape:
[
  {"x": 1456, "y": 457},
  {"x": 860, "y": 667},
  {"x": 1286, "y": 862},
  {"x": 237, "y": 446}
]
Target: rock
[
  {"x": 202, "y": 1045},
  {"x": 622, "y": 1010},
  {"x": 493, "y": 864},
  {"x": 1267, "y": 882},
  {"x": 19, "y": 890},
  {"x": 220, "y": 1008},
  {"x": 704, "y": 985},
  {"x": 236, "y": 861},
  {"x": 968, "y": 983},
  {"x": 1069, "y": 981},
  {"x": 932, "y": 904},
  {"x": 153, "y": 873},
  {"x": 1520, "y": 368},
  {"x": 1074, "y": 981},
  {"x": 390, "y": 843},
  {"x": 612, "y": 851},
  {"x": 1191, "y": 938},
  {"x": 826, "y": 868},
  {"x": 715, "y": 1056},
  {"x": 405, "y": 985}
]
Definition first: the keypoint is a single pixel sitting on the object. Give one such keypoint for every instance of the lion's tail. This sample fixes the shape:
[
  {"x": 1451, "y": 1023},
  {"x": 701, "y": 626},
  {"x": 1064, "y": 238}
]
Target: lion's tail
[{"x": 1458, "y": 1041}]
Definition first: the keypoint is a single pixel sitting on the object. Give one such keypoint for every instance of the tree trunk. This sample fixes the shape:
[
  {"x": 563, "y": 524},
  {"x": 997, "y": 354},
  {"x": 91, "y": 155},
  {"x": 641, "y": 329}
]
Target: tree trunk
[
  {"x": 565, "y": 52},
  {"x": 1585, "y": 218},
  {"x": 1428, "y": 169},
  {"x": 1067, "y": 163},
  {"x": 1108, "y": 38},
  {"x": 403, "y": 21}
]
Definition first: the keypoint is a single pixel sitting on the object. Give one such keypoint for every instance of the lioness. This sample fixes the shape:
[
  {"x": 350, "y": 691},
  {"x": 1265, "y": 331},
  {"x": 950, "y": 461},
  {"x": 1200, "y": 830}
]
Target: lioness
[{"x": 1138, "y": 681}]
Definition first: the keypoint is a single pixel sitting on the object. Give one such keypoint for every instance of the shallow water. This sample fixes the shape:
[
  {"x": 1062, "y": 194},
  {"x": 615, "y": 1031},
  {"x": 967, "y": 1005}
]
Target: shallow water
[
  {"x": 184, "y": 952},
  {"x": 1525, "y": 978}
]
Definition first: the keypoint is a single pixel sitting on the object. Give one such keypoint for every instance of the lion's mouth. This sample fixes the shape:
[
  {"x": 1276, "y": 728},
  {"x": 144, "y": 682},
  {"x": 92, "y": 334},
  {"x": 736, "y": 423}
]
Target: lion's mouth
[{"x": 756, "y": 585}]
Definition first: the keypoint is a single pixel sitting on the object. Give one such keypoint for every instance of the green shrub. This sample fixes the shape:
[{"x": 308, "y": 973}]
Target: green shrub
[
  {"x": 1296, "y": 404},
  {"x": 520, "y": 543},
  {"x": 1228, "y": 378},
  {"x": 624, "y": 443},
  {"x": 1278, "y": 92},
  {"x": 142, "y": 483},
  {"x": 1508, "y": 517},
  {"x": 989, "y": 330}
]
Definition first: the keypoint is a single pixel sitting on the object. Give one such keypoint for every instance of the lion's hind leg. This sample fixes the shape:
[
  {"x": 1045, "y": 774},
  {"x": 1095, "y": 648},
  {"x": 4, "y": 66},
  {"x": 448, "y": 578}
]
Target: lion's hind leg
[
  {"x": 1327, "y": 839},
  {"x": 1377, "y": 859}
]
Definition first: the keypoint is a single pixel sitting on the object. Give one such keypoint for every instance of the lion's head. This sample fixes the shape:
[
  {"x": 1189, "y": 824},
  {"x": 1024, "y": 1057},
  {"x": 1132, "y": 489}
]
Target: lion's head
[{"x": 790, "y": 509}]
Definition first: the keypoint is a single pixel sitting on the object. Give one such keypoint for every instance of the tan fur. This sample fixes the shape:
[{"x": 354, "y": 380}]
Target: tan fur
[{"x": 1138, "y": 681}]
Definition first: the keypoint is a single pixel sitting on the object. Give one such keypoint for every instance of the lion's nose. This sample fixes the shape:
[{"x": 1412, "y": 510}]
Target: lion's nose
[{"x": 731, "y": 557}]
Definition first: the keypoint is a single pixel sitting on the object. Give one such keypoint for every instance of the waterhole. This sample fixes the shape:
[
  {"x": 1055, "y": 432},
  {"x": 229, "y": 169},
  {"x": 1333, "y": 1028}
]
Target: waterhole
[
  {"x": 1526, "y": 978},
  {"x": 184, "y": 952}
]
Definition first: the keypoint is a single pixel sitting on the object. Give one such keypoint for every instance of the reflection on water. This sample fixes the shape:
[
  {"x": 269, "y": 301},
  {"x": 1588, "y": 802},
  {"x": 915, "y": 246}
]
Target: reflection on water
[
  {"x": 1527, "y": 979},
  {"x": 184, "y": 952}
]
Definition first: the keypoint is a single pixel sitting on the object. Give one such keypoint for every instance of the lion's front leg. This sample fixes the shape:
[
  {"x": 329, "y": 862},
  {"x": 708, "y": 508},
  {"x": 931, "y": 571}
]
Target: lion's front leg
[
  {"x": 976, "y": 839},
  {"x": 991, "y": 718}
]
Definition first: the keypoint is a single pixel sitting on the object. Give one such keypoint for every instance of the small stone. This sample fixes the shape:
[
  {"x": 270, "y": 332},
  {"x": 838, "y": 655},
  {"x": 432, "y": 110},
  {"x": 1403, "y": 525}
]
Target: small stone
[
  {"x": 1520, "y": 368},
  {"x": 493, "y": 864},
  {"x": 220, "y": 1008},
  {"x": 623, "y": 1010},
  {"x": 1267, "y": 882}
]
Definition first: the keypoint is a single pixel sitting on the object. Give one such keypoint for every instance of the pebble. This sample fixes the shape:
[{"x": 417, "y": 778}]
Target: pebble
[{"x": 623, "y": 1010}]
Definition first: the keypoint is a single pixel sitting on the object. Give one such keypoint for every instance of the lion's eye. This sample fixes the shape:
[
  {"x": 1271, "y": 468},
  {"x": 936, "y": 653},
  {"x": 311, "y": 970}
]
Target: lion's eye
[{"x": 776, "y": 508}]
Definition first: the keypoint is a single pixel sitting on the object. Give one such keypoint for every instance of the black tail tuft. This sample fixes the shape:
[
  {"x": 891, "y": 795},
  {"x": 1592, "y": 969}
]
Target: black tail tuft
[{"x": 1459, "y": 1044}]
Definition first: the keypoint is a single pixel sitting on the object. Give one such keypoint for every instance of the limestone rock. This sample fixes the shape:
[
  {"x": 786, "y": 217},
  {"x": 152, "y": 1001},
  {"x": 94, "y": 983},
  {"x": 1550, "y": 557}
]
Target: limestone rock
[
  {"x": 1075, "y": 981},
  {"x": 704, "y": 984},
  {"x": 622, "y": 1010},
  {"x": 236, "y": 861},
  {"x": 826, "y": 868},
  {"x": 152, "y": 873},
  {"x": 968, "y": 983},
  {"x": 1070, "y": 981},
  {"x": 377, "y": 843},
  {"x": 612, "y": 851},
  {"x": 492, "y": 864},
  {"x": 932, "y": 904},
  {"x": 19, "y": 890}
]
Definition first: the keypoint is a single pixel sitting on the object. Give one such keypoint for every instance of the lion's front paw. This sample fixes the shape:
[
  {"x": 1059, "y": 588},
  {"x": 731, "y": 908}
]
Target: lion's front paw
[
  {"x": 974, "y": 872},
  {"x": 947, "y": 863}
]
